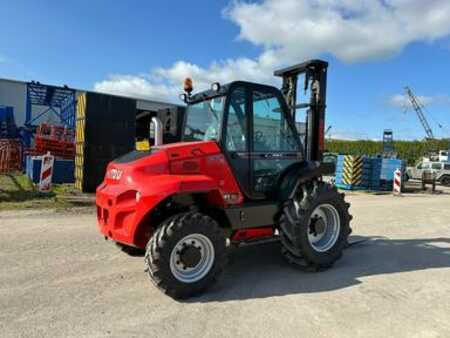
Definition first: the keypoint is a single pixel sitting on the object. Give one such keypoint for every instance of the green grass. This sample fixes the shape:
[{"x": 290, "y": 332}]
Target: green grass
[{"x": 18, "y": 192}]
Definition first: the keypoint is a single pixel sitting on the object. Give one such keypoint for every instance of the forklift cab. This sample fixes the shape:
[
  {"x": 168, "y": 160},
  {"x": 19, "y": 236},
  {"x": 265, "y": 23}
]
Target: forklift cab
[
  {"x": 255, "y": 127},
  {"x": 252, "y": 125}
]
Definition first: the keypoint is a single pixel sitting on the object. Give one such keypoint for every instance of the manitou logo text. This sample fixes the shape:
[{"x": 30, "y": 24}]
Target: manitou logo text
[{"x": 115, "y": 174}]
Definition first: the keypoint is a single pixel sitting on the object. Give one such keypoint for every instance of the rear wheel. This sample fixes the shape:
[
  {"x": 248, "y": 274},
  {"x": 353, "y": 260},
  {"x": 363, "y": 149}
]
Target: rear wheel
[
  {"x": 186, "y": 254},
  {"x": 315, "y": 226},
  {"x": 445, "y": 180}
]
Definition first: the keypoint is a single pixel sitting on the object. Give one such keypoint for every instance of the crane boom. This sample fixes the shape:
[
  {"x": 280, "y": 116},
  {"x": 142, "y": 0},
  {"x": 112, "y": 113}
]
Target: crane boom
[{"x": 417, "y": 105}]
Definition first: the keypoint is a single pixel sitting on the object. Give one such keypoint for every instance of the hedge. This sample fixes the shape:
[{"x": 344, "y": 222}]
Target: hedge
[{"x": 412, "y": 151}]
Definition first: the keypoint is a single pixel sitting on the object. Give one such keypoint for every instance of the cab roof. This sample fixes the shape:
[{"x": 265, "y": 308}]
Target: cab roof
[{"x": 223, "y": 90}]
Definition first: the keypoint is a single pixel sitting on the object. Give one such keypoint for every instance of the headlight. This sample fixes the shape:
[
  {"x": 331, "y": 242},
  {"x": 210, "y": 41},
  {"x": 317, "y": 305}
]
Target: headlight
[{"x": 138, "y": 196}]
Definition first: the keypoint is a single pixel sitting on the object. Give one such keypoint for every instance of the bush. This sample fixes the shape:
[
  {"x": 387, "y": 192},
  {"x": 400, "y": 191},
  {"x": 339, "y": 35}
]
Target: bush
[{"x": 411, "y": 151}]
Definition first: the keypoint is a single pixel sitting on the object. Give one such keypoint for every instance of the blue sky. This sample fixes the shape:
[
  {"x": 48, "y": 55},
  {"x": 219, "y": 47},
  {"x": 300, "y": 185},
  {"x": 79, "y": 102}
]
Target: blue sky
[{"x": 146, "y": 48}]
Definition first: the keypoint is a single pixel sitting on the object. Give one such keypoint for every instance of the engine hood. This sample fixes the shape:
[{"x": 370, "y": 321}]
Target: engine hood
[
  {"x": 135, "y": 166},
  {"x": 132, "y": 167}
]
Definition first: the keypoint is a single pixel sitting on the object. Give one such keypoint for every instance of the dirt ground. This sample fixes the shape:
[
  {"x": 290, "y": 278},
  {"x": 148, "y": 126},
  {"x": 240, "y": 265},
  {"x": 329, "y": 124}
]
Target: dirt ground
[{"x": 58, "y": 277}]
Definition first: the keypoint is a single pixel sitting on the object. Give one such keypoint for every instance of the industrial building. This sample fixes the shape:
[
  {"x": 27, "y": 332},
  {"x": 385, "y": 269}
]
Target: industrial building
[
  {"x": 13, "y": 93},
  {"x": 99, "y": 127}
]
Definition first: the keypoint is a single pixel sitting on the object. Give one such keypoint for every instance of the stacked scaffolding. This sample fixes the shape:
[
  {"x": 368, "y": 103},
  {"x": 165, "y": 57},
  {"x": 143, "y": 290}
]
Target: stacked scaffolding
[{"x": 48, "y": 102}]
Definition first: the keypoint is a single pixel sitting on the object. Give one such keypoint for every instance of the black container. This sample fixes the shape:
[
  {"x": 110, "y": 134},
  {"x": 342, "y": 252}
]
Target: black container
[{"x": 105, "y": 130}]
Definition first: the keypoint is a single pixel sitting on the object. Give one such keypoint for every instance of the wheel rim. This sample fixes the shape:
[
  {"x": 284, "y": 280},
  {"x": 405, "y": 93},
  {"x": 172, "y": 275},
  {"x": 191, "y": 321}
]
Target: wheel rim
[
  {"x": 324, "y": 227},
  {"x": 192, "y": 258}
]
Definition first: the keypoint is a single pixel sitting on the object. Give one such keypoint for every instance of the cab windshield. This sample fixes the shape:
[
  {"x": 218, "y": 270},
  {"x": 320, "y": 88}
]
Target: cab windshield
[{"x": 203, "y": 120}]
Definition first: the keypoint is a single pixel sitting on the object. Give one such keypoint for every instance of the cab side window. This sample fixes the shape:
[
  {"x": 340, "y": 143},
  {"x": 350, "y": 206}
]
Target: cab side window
[
  {"x": 272, "y": 134},
  {"x": 271, "y": 131},
  {"x": 236, "y": 128}
]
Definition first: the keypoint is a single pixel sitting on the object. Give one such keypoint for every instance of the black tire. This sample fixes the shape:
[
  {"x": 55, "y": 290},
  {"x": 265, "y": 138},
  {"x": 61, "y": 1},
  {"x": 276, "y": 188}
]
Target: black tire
[
  {"x": 445, "y": 181},
  {"x": 165, "y": 240},
  {"x": 295, "y": 224}
]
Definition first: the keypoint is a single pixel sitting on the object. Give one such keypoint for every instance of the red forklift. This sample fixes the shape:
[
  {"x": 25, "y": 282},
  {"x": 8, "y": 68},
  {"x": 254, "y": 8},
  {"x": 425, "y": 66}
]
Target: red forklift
[{"x": 242, "y": 174}]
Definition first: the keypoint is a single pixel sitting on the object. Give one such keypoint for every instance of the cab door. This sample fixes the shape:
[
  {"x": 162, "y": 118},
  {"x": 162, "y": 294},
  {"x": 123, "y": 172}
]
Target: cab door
[
  {"x": 274, "y": 142},
  {"x": 235, "y": 137},
  {"x": 259, "y": 140}
]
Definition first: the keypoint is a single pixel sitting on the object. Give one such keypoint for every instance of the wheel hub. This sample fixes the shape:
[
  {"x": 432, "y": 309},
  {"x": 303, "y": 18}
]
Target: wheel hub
[
  {"x": 324, "y": 227},
  {"x": 318, "y": 226},
  {"x": 190, "y": 256}
]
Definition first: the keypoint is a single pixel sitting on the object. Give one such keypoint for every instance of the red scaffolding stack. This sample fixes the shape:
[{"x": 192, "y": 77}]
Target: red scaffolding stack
[
  {"x": 10, "y": 156},
  {"x": 57, "y": 140}
]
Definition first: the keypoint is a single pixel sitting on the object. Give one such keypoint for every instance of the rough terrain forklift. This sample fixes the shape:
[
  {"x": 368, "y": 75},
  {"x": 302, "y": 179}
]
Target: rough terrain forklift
[{"x": 242, "y": 174}]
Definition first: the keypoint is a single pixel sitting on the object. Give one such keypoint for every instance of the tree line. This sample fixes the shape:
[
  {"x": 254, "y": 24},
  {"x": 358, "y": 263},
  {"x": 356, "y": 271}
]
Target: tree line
[{"x": 411, "y": 151}]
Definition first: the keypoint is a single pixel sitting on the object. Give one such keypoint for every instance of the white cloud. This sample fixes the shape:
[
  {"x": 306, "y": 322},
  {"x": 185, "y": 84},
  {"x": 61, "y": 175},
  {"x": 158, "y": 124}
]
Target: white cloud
[
  {"x": 352, "y": 30},
  {"x": 131, "y": 85},
  {"x": 293, "y": 30},
  {"x": 166, "y": 83},
  {"x": 351, "y": 135},
  {"x": 403, "y": 102}
]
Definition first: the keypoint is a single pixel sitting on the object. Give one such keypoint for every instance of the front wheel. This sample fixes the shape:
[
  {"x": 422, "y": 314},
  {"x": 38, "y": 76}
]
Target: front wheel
[
  {"x": 186, "y": 254},
  {"x": 315, "y": 226}
]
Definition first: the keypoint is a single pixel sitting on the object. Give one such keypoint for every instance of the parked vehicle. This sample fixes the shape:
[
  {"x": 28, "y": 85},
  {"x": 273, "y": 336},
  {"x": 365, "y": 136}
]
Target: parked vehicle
[
  {"x": 441, "y": 156},
  {"x": 444, "y": 156},
  {"x": 442, "y": 170}
]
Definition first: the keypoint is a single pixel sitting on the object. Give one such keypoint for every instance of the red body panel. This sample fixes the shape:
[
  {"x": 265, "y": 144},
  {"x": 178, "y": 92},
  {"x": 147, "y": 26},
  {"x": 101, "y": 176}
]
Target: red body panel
[
  {"x": 131, "y": 190},
  {"x": 244, "y": 235}
]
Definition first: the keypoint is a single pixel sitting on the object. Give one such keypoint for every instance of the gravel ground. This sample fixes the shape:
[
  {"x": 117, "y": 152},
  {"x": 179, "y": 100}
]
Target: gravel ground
[{"x": 58, "y": 277}]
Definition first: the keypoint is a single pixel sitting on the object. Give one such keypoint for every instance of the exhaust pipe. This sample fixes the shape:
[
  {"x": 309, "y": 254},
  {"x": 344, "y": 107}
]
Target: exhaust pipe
[{"x": 158, "y": 131}]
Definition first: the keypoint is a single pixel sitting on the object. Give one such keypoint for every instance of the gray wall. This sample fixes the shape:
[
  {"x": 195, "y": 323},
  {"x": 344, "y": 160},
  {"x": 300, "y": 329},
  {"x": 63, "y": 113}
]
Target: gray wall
[{"x": 14, "y": 93}]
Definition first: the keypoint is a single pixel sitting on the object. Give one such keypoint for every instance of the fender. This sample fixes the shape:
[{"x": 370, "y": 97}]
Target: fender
[
  {"x": 298, "y": 173},
  {"x": 165, "y": 186}
]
